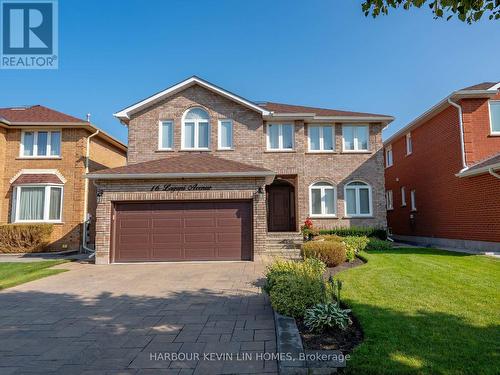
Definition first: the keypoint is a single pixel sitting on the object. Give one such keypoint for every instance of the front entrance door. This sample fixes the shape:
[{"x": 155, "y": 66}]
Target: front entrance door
[{"x": 280, "y": 207}]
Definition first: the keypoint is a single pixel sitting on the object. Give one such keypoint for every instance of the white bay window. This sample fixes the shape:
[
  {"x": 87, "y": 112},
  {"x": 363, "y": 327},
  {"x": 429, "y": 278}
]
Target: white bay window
[{"x": 37, "y": 203}]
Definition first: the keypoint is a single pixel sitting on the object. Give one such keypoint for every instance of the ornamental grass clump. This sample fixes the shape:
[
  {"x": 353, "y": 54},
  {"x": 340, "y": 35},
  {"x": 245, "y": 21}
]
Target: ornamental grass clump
[{"x": 332, "y": 253}]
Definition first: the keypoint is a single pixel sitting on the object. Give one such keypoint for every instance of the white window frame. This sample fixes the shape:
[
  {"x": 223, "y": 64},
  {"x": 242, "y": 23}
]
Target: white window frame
[
  {"x": 160, "y": 135},
  {"x": 35, "y": 144},
  {"x": 323, "y": 199},
  {"x": 219, "y": 133},
  {"x": 403, "y": 196},
  {"x": 389, "y": 161},
  {"x": 492, "y": 132},
  {"x": 280, "y": 137},
  {"x": 389, "y": 198},
  {"x": 409, "y": 144},
  {"x": 357, "y": 197},
  {"x": 46, "y": 204},
  {"x": 196, "y": 131},
  {"x": 355, "y": 139},
  {"x": 413, "y": 200},
  {"x": 321, "y": 137}
]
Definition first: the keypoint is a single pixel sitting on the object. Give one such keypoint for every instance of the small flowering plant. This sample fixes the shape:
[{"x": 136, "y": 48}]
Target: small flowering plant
[{"x": 307, "y": 229}]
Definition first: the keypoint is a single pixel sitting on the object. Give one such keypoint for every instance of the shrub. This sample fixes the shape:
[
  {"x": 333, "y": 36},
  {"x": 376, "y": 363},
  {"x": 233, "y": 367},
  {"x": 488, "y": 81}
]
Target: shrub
[
  {"x": 332, "y": 253},
  {"x": 355, "y": 244},
  {"x": 24, "y": 238},
  {"x": 280, "y": 267},
  {"x": 376, "y": 244},
  {"x": 292, "y": 293},
  {"x": 350, "y": 254},
  {"x": 356, "y": 231},
  {"x": 326, "y": 315},
  {"x": 328, "y": 237}
]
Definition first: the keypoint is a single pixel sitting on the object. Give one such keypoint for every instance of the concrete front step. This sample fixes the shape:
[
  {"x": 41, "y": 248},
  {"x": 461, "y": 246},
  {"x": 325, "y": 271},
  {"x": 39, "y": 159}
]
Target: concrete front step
[{"x": 288, "y": 254}]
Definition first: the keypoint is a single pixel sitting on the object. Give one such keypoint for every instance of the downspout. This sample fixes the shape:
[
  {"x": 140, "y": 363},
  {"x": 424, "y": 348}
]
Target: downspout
[
  {"x": 85, "y": 192},
  {"x": 494, "y": 174},
  {"x": 461, "y": 125}
]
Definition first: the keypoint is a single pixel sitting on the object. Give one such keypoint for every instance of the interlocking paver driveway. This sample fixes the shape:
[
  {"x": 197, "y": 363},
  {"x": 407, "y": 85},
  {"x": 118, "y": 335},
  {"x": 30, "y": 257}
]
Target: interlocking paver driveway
[{"x": 129, "y": 319}]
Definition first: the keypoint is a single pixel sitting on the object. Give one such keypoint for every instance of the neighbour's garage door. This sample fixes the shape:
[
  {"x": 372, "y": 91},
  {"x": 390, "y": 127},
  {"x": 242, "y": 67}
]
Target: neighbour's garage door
[{"x": 177, "y": 231}]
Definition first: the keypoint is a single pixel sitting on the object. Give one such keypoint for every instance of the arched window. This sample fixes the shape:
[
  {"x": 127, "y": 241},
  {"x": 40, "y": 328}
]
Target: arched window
[
  {"x": 322, "y": 200},
  {"x": 358, "y": 199},
  {"x": 195, "y": 130}
]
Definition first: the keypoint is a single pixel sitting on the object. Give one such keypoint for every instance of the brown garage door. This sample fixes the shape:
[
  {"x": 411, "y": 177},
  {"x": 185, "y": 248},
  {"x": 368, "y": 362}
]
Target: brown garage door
[{"x": 177, "y": 231}]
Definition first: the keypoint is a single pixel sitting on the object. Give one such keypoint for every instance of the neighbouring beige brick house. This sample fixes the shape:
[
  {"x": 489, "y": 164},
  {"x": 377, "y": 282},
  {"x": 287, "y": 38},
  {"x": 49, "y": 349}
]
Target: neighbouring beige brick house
[
  {"x": 211, "y": 175},
  {"x": 43, "y": 156}
]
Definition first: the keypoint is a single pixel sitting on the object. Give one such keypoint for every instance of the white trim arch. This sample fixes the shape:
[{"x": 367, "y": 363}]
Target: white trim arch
[
  {"x": 196, "y": 129},
  {"x": 357, "y": 186},
  {"x": 324, "y": 187}
]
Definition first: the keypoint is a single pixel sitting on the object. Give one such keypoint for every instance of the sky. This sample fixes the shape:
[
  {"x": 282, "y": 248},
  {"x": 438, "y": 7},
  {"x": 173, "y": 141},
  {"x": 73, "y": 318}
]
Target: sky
[{"x": 322, "y": 53}]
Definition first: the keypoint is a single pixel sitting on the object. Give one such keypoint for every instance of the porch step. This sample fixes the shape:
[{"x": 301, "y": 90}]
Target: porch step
[{"x": 284, "y": 244}]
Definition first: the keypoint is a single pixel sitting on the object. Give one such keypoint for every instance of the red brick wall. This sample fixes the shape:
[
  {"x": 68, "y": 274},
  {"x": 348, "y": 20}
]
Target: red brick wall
[
  {"x": 479, "y": 143},
  {"x": 447, "y": 206}
]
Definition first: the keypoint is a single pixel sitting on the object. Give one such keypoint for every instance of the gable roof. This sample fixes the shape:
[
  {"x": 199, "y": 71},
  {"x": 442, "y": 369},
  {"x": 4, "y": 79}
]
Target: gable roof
[
  {"x": 124, "y": 114},
  {"x": 293, "y": 109},
  {"x": 481, "y": 90},
  {"x": 37, "y": 114},
  {"x": 183, "y": 166}
]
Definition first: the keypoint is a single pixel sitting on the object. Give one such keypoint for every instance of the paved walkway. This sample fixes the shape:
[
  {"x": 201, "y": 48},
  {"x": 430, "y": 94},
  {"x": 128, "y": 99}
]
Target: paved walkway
[{"x": 130, "y": 319}]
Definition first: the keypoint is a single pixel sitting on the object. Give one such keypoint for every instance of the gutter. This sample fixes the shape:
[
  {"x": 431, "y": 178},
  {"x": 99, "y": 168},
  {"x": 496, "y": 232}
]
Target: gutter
[
  {"x": 85, "y": 192},
  {"x": 461, "y": 125},
  {"x": 494, "y": 174}
]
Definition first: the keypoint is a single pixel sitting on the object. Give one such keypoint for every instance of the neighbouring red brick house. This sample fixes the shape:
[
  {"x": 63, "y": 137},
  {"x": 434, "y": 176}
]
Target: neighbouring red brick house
[{"x": 442, "y": 173}]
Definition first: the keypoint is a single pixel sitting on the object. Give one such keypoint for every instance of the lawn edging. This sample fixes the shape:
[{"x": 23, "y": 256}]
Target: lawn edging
[{"x": 294, "y": 359}]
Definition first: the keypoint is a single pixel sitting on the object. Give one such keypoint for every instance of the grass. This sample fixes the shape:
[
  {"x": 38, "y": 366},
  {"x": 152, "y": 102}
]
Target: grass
[
  {"x": 425, "y": 311},
  {"x": 15, "y": 273}
]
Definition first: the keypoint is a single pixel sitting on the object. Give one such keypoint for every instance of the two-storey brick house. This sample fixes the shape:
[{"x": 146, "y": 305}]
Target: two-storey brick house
[
  {"x": 44, "y": 155},
  {"x": 211, "y": 174},
  {"x": 442, "y": 173}
]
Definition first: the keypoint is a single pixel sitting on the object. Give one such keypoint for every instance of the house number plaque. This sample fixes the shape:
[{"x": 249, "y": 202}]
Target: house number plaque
[{"x": 170, "y": 187}]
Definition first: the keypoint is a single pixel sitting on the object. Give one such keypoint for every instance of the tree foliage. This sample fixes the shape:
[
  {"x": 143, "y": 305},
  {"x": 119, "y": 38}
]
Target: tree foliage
[{"x": 466, "y": 10}]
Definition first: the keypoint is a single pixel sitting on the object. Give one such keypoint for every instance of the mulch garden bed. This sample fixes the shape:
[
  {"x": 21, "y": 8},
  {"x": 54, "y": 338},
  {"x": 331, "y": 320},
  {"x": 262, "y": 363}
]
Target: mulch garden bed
[{"x": 334, "y": 339}]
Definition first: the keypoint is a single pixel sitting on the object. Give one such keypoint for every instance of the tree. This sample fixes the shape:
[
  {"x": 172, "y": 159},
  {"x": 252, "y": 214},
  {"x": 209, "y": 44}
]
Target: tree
[{"x": 467, "y": 10}]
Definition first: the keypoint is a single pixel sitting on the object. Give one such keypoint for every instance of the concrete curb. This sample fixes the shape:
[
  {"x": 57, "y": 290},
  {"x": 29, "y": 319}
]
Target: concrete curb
[{"x": 293, "y": 359}]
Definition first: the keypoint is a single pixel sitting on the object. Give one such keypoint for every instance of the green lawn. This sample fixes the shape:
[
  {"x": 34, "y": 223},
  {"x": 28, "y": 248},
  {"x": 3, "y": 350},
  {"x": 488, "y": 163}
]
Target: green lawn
[
  {"x": 425, "y": 311},
  {"x": 12, "y": 274}
]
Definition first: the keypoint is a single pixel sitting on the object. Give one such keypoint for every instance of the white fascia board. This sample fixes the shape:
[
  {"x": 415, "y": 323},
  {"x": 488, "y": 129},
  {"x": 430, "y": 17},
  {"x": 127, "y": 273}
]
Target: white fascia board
[
  {"x": 440, "y": 106},
  {"x": 150, "y": 176},
  {"x": 495, "y": 87},
  {"x": 313, "y": 118},
  {"x": 478, "y": 171},
  {"x": 124, "y": 114}
]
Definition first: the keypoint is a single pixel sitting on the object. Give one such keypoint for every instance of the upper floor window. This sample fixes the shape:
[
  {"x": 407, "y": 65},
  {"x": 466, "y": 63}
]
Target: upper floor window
[
  {"x": 321, "y": 138},
  {"x": 225, "y": 135},
  {"x": 37, "y": 203},
  {"x": 280, "y": 137},
  {"x": 40, "y": 144},
  {"x": 322, "y": 198},
  {"x": 388, "y": 156},
  {"x": 358, "y": 199},
  {"x": 409, "y": 144},
  {"x": 389, "y": 200},
  {"x": 166, "y": 135},
  {"x": 495, "y": 116},
  {"x": 355, "y": 137},
  {"x": 195, "y": 132},
  {"x": 403, "y": 196}
]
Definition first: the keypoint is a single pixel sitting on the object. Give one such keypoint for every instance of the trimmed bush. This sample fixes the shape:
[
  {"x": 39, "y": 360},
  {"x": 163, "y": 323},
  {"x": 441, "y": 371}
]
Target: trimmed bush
[
  {"x": 350, "y": 254},
  {"x": 356, "y": 243},
  {"x": 332, "y": 253},
  {"x": 24, "y": 238},
  {"x": 328, "y": 237},
  {"x": 309, "y": 267},
  {"x": 376, "y": 244},
  {"x": 356, "y": 231},
  {"x": 292, "y": 294}
]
